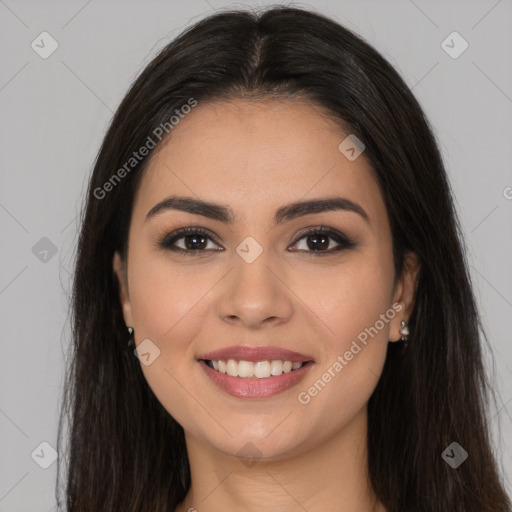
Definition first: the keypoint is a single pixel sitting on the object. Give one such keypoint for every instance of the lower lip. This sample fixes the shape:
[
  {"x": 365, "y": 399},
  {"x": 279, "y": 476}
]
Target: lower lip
[{"x": 254, "y": 387}]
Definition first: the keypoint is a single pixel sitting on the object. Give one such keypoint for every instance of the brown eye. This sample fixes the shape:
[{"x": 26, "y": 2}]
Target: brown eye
[
  {"x": 195, "y": 241},
  {"x": 319, "y": 241}
]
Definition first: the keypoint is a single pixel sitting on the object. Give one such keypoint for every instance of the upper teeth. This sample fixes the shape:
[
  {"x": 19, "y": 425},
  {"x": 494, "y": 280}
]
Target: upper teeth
[{"x": 260, "y": 370}]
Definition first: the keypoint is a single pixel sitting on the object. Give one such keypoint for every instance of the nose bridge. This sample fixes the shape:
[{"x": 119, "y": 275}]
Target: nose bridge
[{"x": 253, "y": 267}]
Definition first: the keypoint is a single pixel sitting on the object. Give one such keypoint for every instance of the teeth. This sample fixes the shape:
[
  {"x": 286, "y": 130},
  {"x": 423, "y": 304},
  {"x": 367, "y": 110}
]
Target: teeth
[
  {"x": 261, "y": 369},
  {"x": 276, "y": 367},
  {"x": 245, "y": 368},
  {"x": 232, "y": 368},
  {"x": 248, "y": 369}
]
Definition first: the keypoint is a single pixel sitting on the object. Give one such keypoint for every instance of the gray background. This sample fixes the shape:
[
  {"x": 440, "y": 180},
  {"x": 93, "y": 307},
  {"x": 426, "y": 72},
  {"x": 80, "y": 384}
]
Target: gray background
[{"x": 55, "y": 112}]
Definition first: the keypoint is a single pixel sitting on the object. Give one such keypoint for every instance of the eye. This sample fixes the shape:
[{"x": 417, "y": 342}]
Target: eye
[
  {"x": 196, "y": 239},
  {"x": 318, "y": 241}
]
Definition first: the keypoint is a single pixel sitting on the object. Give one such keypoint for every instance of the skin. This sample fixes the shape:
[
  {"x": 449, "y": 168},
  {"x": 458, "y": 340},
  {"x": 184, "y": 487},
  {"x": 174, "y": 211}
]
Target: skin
[{"x": 256, "y": 157}]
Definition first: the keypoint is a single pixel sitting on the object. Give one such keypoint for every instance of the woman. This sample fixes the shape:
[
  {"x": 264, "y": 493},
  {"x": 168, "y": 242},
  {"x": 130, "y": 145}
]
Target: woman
[{"x": 270, "y": 226}]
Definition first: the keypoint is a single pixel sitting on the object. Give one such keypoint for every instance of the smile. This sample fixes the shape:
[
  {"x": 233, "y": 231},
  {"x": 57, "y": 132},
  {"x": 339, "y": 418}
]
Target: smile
[{"x": 261, "y": 379}]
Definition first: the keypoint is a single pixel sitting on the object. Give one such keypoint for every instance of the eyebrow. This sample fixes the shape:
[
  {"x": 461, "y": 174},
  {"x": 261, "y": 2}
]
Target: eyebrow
[{"x": 284, "y": 214}]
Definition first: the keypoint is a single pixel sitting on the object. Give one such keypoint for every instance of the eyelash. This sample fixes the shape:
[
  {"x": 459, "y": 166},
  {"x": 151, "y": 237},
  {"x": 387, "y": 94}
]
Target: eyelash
[{"x": 167, "y": 241}]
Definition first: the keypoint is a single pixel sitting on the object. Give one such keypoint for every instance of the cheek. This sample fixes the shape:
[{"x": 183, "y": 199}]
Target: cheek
[
  {"x": 172, "y": 303},
  {"x": 166, "y": 304},
  {"x": 347, "y": 299},
  {"x": 354, "y": 347},
  {"x": 164, "y": 298}
]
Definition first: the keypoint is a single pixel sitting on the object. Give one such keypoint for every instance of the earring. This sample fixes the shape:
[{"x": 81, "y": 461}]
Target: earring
[
  {"x": 404, "y": 330},
  {"x": 131, "y": 341}
]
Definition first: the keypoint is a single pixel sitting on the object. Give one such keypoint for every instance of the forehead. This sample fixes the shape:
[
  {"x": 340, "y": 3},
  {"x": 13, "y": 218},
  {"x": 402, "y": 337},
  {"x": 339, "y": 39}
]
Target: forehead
[{"x": 254, "y": 154}]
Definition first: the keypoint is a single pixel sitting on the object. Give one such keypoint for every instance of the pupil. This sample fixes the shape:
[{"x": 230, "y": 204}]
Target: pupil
[
  {"x": 194, "y": 238},
  {"x": 317, "y": 245}
]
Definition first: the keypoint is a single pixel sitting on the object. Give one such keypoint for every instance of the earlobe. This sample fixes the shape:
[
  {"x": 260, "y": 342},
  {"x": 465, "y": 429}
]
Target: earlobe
[
  {"x": 118, "y": 266},
  {"x": 404, "y": 295}
]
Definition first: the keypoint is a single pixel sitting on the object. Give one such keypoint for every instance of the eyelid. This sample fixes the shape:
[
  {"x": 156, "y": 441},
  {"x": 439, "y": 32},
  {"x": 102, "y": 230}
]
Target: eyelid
[{"x": 322, "y": 229}]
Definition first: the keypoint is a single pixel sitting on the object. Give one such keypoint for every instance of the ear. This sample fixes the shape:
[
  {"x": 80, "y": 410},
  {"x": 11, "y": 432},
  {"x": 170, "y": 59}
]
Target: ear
[
  {"x": 404, "y": 294},
  {"x": 124, "y": 296}
]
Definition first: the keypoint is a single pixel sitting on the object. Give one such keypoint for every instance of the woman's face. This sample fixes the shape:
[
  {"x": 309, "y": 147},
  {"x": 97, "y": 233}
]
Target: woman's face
[{"x": 259, "y": 282}]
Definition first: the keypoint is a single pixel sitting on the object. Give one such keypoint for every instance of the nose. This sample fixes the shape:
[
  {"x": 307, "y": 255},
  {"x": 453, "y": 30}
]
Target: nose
[{"x": 255, "y": 294}]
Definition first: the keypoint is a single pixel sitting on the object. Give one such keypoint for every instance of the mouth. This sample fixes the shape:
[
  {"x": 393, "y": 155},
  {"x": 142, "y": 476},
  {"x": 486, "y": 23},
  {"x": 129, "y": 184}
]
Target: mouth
[{"x": 255, "y": 372}]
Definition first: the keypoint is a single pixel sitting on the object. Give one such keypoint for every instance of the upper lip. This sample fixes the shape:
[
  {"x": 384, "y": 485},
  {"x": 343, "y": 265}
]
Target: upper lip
[{"x": 255, "y": 354}]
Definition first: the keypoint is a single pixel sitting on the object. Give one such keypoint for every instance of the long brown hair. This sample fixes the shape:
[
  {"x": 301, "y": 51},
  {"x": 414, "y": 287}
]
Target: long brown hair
[{"x": 126, "y": 453}]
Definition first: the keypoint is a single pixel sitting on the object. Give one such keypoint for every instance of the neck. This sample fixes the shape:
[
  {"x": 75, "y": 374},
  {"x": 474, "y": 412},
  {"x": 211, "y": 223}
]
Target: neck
[{"x": 331, "y": 476}]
